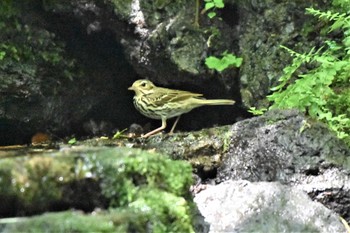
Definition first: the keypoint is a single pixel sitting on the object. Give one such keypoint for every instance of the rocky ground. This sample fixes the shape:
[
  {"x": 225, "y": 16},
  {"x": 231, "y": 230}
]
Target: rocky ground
[{"x": 277, "y": 172}]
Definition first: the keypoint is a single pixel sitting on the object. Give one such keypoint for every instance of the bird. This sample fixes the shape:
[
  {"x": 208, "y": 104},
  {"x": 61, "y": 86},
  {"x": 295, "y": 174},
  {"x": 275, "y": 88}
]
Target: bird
[{"x": 163, "y": 103}]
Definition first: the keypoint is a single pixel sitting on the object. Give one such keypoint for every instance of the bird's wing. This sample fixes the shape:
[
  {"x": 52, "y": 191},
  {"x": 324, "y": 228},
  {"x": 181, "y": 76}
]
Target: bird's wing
[{"x": 165, "y": 95}]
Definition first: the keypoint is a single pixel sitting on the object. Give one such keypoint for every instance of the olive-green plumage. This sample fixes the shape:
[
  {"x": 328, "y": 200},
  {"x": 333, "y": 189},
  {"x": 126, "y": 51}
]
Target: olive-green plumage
[{"x": 163, "y": 103}]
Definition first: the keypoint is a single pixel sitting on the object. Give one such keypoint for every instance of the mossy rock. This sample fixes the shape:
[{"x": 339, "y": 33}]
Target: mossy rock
[
  {"x": 69, "y": 221},
  {"x": 148, "y": 191}
]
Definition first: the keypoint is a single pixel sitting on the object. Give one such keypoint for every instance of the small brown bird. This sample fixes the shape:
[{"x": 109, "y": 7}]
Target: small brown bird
[{"x": 163, "y": 103}]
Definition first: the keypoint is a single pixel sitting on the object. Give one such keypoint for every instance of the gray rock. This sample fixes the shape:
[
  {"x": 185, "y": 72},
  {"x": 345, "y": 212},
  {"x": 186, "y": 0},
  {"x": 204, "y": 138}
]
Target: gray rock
[
  {"x": 264, "y": 25},
  {"x": 242, "y": 206},
  {"x": 287, "y": 147}
]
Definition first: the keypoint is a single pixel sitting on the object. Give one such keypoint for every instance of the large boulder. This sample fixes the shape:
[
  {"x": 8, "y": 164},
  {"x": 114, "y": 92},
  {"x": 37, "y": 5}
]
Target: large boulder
[
  {"x": 242, "y": 206},
  {"x": 287, "y": 147}
]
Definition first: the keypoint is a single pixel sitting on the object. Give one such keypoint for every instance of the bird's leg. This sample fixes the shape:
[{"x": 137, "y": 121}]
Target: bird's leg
[
  {"x": 157, "y": 129},
  {"x": 175, "y": 123}
]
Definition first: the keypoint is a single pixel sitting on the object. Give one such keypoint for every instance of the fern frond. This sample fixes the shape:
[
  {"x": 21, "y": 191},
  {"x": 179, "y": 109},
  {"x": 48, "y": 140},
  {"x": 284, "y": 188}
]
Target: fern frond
[{"x": 340, "y": 20}]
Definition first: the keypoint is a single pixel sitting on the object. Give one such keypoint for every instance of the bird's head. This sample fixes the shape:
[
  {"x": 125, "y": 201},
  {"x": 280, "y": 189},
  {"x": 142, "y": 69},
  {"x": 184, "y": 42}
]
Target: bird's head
[{"x": 142, "y": 87}]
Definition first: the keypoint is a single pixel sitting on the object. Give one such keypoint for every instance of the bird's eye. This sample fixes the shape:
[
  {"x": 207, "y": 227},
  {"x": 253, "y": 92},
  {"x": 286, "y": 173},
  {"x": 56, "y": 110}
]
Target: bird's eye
[{"x": 143, "y": 84}]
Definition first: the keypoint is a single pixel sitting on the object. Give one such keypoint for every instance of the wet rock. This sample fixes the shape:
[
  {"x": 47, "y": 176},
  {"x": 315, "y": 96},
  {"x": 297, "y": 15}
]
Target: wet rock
[
  {"x": 66, "y": 221},
  {"x": 287, "y": 147},
  {"x": 127, "y": 182},
  {"x": 242, "y": 206},
  {"x": 203, "y": 149}
]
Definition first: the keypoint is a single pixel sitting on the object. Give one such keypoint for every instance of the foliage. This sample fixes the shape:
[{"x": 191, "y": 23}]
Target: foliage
[
  {"x": 120, "y": 134},
  {"x": 344, "y": 4},
  {"x": 322, "y": 91},
  {"x": 72, "y": 141},
  {"x": 211, "y": 6},
  {"x": 2, "y": 55},
  {"x": 227, "y": 60},
  {"x": 256, "y": 111},
  {"x": 28, "y": 54},
  {"x": 220, "y": 64}
]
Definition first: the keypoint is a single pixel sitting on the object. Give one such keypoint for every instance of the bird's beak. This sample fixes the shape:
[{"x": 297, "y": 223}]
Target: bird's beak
[{"x": 131, "y": 88}]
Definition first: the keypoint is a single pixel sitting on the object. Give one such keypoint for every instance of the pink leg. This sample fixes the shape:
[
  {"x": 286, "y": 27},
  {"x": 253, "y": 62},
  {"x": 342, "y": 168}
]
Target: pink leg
[
  {"x": 157, "y": 129},
  {"x": 175, "y": 123}
]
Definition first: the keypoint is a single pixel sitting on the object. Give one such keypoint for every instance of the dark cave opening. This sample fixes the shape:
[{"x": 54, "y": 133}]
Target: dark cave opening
[{"x": 106, "y": 76}]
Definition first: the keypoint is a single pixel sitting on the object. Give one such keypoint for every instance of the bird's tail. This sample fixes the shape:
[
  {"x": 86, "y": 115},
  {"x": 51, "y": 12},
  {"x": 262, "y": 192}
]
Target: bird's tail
[{"x": 216, "y": 102}]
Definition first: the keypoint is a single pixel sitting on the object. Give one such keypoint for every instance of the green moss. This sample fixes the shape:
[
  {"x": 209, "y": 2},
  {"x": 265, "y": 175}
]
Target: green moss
[
  {"x": 171, "y": 214},
  {"x": 6, "y": 187},
  {"x": 138, "y": 180},
  {"x": 130, "y": 172},
  {"x": 187, "y": 57},
  {"x": 122, "y": 8},
  {"x": 34, "y": 183},
  {"x": 227, "y": 141},
  {"x": 32, "y": 57},
  {"x": 146, "y": 214},
  {"x": 159, "y": 11},
  {"x": 131, "y": 180},
  {"x": 63, "y": 222},
  {"x": 39, "y": 182}
]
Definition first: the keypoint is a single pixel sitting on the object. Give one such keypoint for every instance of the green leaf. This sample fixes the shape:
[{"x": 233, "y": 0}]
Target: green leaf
[
  {"x": 211, "y": 14},
  {"x": 2, "y": 55},
  {"x": 212, "y": 62},
  {"x": 278, "y": 87},
  {"x": 119, "y": 134},
  {"x": 233, "y": 60},
  {"x": 336, "y": 25},
  {"x": 346, "y": 42},
  {"x": 327, "y": 116},
  {"x": 209, "y": 5},
  {"x": 219, "y": 3},
  {"x": 72, "y": 141},
  {"x": 221, "y": 64},
  {"x": 315, "y": 110},
  {"x": 256, "y": 111}
]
